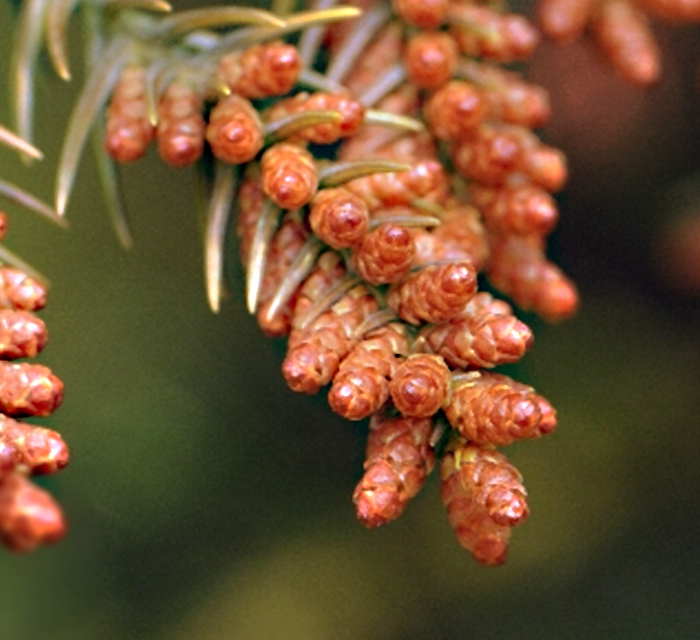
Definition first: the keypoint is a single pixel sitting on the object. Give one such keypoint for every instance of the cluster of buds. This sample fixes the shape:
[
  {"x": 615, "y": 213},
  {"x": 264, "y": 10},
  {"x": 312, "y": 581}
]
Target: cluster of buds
[
  {"x": 370, "y": 198},
  {"x": 29, "y": 516}
]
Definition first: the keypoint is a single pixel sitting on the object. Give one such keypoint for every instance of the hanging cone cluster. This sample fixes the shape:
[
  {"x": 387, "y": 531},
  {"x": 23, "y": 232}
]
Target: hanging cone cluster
[
  {"x": 379, "y": 165},
  {"x": 29, "y": 516}
]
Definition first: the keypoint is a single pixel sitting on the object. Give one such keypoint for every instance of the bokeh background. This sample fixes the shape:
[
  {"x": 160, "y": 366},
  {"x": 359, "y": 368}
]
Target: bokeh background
[{"x": 208, "y": 501}]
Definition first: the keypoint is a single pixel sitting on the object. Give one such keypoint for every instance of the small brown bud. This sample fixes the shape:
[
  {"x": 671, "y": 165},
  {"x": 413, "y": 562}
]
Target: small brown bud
[
  {"x": 29, "y": 390},
  {"x": 433, "y": 294},
  {"x": 235, "y": 131},
  {"x": 420, "y": 386},
  {"x": 261, "y": 71},
  {"x": 430, "y": 59},
  {"x": 339, "y": 218},
  {"x": 386, "y": 254},
  {"x": 29, "y": 516},
  {"x": 484, "y": 497},
  {"x": 489, "y": 408},
  {"x": 399, "y": 458},
  {"x": 181, "y": 127},
  {"x": 22, "y": 334},
  {"x": 289, "y": 175}
]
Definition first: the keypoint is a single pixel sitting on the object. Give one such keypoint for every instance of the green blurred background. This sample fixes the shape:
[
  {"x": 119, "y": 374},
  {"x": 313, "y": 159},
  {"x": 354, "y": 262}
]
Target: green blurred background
[{"x": 208, "y": 501}]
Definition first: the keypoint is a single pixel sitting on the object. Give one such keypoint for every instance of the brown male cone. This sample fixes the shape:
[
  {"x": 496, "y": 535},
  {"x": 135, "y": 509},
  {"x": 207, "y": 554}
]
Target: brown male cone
[
  {"x": 484, "y": 497},
  {"x": 399, "y": 458}
]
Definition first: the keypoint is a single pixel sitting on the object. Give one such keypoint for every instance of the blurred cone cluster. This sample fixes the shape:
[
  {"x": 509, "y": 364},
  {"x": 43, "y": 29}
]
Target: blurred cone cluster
[
  {"x": 29, "y": 516},
  {"x": 379, "y": 164}
]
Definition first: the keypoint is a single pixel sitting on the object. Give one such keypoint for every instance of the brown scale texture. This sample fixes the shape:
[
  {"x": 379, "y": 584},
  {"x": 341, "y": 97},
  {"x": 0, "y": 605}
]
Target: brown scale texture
[
  {"x": 22, "y": 334},
  {"x": 285, "y": 246},
  {"x": 520, "y": 269},
  {"x": 383, "y": 52},
  {"x": 398, "y": 460},
  {"x": 420, "y": 386},
  {"x": 455, "y": 111},
  {"x": 180, "y": 131},
  {"x": 314, "y": 354},
  {"x": 128, "y": 129},
  {"x": 19, "y": 291},
  {"x": 361, "y": 386},
  {"x": 289, "y": 175},
  {"x": 29, "y": 390},
  {"x": 339, "y": 218},
  {"x": 251, "y": 199},
  {"x": 482, "y": 32},
  {"x": 524, "y": 209},
  {"x": 261, "y": 71},
  {"x": 351, "y": 110},
  {"x": 426, "y": 180},
  {"x": 30, "y": 449},
  {"x": 430, "y": 59},
  {"x": 29, "y": 516},
  {"x": 488, "y": 408},
  {"x": 387, "y": 254},
  {"x": 426, "y": 14},
  {"x": 484, "y": 497},
  {"x": 235, "y": 131},
  {"x": 624, "y": 35},
  {"x": 434, "y": 294},
  {"x": 564, "y": 20},
  {"x": 482, "y": 336}
]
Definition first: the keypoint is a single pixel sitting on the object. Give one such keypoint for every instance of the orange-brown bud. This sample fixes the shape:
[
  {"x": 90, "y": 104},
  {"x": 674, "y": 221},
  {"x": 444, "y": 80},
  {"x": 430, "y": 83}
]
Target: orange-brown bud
[
  {"x": 626, "y": 38},
  {"x": 30, "y": 449},
  {"x": 433, "y": 294},
  {"x": 29, "y": 390},
  {"x": 22, "y": 334},
  {"x": 28, "y": 515},
  {"x": 129, "y": 131},
  {"x": 430, "y": 59},
  {"x": 420, "y": 386},
  {"x": 235, "y": 131},
  {"x": 361, "y": 385},
  {"x": 351, "y": 111},
  {"x": 386, "y": 254},
  {"x": 289, "y": 175},
  {"x": 339, "y": 218},
  {"x": 399, "y": 458},
  {"x": 19, "y": 291},
  {"x": 484, "y": 497},
  {"x": 481, "y": 336},
  {"x": 261, "y": 71},
  {"x": 181, "y": 127},
  {"x": 455, "y": 111},
  {"x": 523, "y": 209},
  {"x": 488, "y": 408}
]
